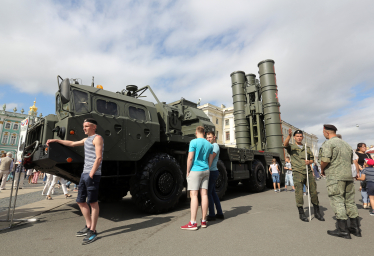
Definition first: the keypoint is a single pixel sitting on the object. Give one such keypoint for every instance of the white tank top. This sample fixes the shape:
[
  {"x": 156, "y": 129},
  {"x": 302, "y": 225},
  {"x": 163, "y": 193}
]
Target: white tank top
[{"x": 274, "y": 168}]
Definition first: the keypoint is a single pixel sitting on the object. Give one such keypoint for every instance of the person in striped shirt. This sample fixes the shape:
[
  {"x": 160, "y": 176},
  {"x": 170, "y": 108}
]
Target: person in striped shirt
[{"x": 93, "y": 156}]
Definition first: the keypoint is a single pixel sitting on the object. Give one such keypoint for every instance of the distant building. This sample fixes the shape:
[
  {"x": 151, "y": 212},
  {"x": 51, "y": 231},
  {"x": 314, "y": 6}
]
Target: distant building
[
  {"x": 223, "y": 118},
  {"x": 10, "y": 123}
]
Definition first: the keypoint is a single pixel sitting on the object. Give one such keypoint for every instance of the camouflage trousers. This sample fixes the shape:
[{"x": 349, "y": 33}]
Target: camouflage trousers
[
  {"x": 342, "y": 199},
  {"x": 299, "y": 181}
]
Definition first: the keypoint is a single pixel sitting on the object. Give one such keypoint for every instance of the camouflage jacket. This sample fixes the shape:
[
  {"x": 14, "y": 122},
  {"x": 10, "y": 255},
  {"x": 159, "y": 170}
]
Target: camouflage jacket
[
  {"x": 320, "y": 152},
  {"x": 338, "y": 154},
  {"x": 298, "y": 157}
]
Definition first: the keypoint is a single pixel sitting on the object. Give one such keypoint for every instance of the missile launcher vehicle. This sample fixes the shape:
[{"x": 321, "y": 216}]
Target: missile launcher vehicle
[{"x": 146, "y": 144}]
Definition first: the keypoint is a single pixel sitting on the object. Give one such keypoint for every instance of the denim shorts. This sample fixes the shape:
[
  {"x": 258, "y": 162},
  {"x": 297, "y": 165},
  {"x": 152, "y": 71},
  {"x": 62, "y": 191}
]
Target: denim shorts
[
  {"x": 88, "y": 189},
  {"x": 289, "y": 180},
  {"x": 276, "y": 178},
  {"x": 370, "y": 188}
]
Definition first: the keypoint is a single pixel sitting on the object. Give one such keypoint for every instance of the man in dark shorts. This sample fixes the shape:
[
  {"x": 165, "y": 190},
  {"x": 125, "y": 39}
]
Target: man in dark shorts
[{"x": 88, "y": 187}]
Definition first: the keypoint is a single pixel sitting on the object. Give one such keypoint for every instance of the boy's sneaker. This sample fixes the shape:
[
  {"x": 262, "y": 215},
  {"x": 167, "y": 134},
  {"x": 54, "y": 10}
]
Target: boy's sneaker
[
  {"x": 203, "y": 224},
  {"x": 304, "y": 194},
  {"x": 276, "y": 191},
  {"x": 292, "y": 190},
  {"x": 90, "y": 237},
  {"x": 189, "y": 226},
  {"x": 371, "y": 212},
  {"x": 83, "y": 232},
  {"x": 220, "y": 216}
]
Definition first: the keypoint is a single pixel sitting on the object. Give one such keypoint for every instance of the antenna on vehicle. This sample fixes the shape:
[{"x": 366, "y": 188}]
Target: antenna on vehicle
[{"x": 92, "y": 83}]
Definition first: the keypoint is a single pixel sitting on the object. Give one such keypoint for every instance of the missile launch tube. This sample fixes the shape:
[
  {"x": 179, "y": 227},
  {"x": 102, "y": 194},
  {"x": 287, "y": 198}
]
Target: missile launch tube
[
  {"x": 272, "y": 119},
  {"x": 239, "y": 99}
]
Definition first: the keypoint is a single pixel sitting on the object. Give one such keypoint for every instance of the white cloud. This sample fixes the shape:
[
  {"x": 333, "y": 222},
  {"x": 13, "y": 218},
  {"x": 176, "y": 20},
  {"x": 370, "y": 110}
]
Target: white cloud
[{"x": 322, "y": 50}]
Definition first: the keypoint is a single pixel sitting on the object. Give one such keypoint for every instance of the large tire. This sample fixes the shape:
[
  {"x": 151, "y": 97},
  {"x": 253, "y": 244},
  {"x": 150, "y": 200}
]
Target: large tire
[
  {"x": 222, "y": 180},
  {"x": 257, "y": 182},
  {"x": 233, "y": 183},
  {"x": 158, "y": 184},
  {"x": 110, "y": 191}
]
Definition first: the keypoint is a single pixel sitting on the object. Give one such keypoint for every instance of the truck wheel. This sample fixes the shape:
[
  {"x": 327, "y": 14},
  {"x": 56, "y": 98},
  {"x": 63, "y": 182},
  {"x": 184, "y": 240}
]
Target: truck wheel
[
  {"x": 257, "y": 182},
  {"x": 158, "y": 185},
  {"x": 222, "y": 181},
  {"x": 233, "y": 183}
]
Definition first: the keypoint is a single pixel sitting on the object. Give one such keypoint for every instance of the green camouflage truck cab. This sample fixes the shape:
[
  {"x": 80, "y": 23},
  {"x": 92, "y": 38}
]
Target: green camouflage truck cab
[{"x": 145, "y": 144}]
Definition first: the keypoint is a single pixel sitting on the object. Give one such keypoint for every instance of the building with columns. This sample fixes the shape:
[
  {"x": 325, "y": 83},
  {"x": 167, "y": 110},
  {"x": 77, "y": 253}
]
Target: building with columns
[
  {"x": 223, "y": 118},
  {"x": 10, "y": 123}
]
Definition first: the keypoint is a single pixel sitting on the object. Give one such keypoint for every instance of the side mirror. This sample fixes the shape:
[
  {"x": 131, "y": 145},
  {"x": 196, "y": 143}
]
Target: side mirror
[{"x": 65, "y": 91}]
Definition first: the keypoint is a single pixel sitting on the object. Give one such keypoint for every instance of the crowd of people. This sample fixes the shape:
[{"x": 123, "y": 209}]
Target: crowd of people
[{"x": 11, "y": 171}]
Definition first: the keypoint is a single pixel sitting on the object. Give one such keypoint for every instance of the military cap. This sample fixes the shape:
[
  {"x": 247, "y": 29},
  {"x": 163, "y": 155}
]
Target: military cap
[
  {"x": 298, "y": 132},
  {"x": 330, "y": 127},
  {"x": 90, "y": 120}
]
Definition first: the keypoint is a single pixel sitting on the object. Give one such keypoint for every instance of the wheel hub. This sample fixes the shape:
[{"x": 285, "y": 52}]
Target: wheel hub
[
  {"x": 260, "y": 175},
  {"x": 165, "y": 183}
]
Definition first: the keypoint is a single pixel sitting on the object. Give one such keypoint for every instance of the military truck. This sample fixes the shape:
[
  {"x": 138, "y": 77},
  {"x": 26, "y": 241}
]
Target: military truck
[{"x": 146, "y": 144}]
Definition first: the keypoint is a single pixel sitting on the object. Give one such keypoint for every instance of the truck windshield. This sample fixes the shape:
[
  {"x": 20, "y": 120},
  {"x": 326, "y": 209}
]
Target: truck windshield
[{"x": 80, "y": 102}]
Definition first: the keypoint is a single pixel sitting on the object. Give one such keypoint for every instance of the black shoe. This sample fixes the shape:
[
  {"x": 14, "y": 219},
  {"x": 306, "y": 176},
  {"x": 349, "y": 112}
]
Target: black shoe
[
  {"x": 317, "y": 214},
  {"x": 210, "y": 218},
  {"x": 83, "y": 232},
  {"x": 90, "y": 237},
  {"x": 302, "y": 214},
  {"x": 220, "y": 216},
  {"x": 354, "y": 228},
  {"x": 341, "y": 231}
]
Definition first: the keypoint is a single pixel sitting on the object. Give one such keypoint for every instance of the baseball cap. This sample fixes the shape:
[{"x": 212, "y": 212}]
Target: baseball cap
[{"x": 369, "y": 161}]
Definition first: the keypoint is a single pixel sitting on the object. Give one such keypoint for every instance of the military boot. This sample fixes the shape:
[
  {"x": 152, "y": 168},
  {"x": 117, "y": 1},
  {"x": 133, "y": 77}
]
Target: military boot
[
  {"x": 302, "y": 214},
  {"x": 317, "y": 214},
  {"x": 354, "y": 228},
  {"x": 341, "y": 231}
]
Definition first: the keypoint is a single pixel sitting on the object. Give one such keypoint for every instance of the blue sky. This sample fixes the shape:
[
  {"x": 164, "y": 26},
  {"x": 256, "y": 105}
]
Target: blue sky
[
  {"x": 14, "y": 98},
  {"x": 322, "y": 51}
]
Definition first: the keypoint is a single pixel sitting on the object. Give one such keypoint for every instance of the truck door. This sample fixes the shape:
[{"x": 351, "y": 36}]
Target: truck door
[{"x": 138, "y": 131}]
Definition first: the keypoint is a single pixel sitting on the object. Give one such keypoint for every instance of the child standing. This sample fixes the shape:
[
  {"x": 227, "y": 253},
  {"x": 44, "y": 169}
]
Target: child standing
[
  {"x": 289, "y": 178},
  {"x": 367, "y": 174}
]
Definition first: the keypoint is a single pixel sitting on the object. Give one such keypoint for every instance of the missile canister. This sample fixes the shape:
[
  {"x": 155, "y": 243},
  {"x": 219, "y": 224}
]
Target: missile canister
[
  {"x": 272, "y": 119},
  {"x": 239, "y": 99}
]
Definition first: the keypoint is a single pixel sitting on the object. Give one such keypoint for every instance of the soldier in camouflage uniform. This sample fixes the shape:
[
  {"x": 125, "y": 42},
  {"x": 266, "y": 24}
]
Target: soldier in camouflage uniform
[
  {"x": 336, "y": 161},
  {"x": 299, "y": 163}
]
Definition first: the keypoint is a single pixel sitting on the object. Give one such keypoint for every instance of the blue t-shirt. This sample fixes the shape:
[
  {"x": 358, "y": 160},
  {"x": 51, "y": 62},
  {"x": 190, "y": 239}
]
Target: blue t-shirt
[
  {"x": 213, "y": 167},
  {"x": 203, "y": 149}
]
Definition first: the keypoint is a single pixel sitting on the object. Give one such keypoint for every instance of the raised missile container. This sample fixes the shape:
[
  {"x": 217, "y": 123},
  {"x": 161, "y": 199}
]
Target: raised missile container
[{"x": 270, "y": 103}]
